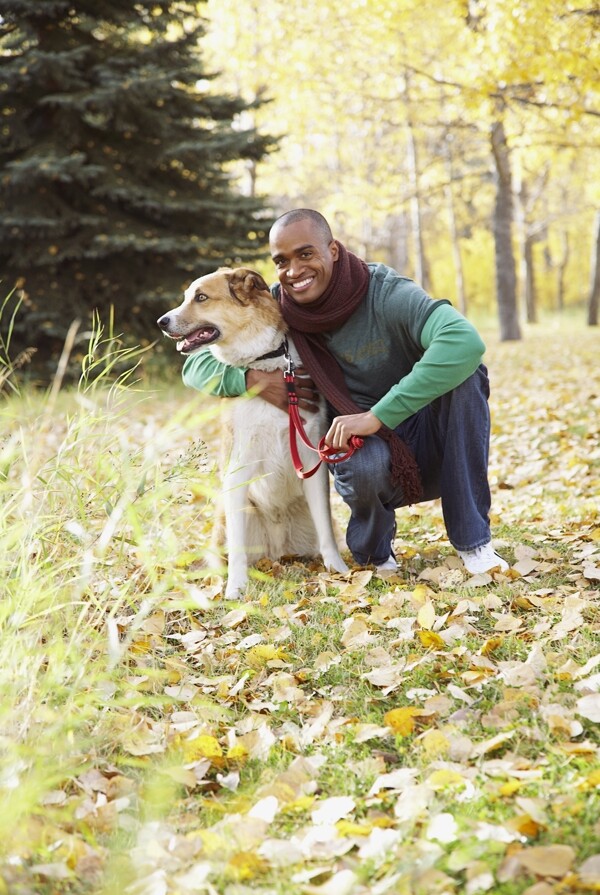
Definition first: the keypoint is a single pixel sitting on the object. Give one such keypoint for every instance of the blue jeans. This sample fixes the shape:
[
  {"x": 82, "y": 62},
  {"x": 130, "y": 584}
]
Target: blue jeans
[{"x": 450, "y": 441}]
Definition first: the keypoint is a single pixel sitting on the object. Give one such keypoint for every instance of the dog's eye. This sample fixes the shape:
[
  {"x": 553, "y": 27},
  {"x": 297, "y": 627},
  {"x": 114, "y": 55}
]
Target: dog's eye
[{"x": 200, "y": 296}]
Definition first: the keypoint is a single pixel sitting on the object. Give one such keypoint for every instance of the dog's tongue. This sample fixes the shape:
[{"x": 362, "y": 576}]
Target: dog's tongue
[{"x": 202, "y": 336}]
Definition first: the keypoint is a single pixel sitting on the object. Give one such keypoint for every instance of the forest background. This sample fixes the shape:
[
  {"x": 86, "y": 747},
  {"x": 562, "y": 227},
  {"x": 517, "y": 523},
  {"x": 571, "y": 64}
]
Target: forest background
[{"x": 145, "y": 144}]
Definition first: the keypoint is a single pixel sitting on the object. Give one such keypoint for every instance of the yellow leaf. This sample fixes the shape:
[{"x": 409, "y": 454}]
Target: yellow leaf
[
  {"x": 426, "y": 615},
  {"x": 237, "y": 753},
  {"x": 402, "y": 720},
  {"x": 258, "y": 656},
  {"x": 431, "y": 640},
  {"x": 510, "y": 787},
  {"x": 212, "y": 844},
  {"x": 435, "y": 743},
  {"x": 490, "y": 645},
  {"x": 445, "y": 777},
  {"x": 525, "y": 825},
  {"x": 202, "y": 747},
  {"x": 348, "y": 828},
  {"x": 246, "y": 865},
  {"x": 141, "y": 644},
  {"x": 298, "y": 805},
  {"x": 591, "y": 781},
  {"x": 421, "y": 594}
]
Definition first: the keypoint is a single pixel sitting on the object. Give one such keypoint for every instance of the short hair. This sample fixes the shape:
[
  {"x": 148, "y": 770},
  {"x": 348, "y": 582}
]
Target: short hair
[{"x": 303, "y": 214}]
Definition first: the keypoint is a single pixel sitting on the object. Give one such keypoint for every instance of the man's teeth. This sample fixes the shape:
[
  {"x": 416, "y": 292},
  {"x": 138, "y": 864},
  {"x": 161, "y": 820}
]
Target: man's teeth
[{"x": 302, "y": 283}]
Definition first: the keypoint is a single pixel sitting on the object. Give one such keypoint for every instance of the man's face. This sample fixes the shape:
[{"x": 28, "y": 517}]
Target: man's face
[{"x": 304, "y": 260}]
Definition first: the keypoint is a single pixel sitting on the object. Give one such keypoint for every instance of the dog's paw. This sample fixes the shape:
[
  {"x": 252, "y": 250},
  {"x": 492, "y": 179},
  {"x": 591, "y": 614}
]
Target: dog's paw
[
  {"x": 335, "y": 563},
  {"x": 235, "y": 590}
]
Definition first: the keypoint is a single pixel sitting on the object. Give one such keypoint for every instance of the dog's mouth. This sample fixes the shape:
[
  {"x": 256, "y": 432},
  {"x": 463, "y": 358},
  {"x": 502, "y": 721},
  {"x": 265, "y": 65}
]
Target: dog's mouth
[{"x": 202, "y": 336}]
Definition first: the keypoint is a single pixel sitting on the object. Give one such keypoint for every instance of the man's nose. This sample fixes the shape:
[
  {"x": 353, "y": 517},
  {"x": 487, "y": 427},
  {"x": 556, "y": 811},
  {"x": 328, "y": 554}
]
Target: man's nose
[{"x": 295, "y": 267}]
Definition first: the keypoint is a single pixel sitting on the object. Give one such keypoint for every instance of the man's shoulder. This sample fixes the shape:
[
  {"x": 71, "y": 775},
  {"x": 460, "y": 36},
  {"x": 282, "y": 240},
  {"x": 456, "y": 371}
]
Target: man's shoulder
[{"x": 385, "y": 279}]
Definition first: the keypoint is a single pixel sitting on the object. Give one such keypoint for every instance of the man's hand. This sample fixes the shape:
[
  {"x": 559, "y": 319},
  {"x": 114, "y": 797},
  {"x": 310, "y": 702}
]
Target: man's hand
[
  {"x": 272, "y": 388},
  {"x": 343, "y": 427}
]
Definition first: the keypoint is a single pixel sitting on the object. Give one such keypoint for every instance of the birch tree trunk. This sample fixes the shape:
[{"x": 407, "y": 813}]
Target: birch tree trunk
[
  {"x": 459, "y": 277},
  {"x": 416, "y": 219}
]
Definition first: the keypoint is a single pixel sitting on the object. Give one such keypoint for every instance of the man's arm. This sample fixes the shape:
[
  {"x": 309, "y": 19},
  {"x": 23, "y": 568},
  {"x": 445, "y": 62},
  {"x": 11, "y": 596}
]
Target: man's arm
[
  {"x": 205, "y": 373},
  {"x": 453, "y": 351}
]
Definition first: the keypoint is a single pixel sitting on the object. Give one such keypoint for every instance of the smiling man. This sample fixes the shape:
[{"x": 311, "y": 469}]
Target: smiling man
[{"x": 397, "y": 367}]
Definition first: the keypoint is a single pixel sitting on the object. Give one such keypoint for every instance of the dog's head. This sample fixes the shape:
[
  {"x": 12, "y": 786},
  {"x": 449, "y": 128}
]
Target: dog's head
[{"x": 216, "y": 306}]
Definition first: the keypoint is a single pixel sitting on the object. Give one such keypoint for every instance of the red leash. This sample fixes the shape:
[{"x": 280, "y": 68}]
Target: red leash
[{"x": 326, "y": 454}]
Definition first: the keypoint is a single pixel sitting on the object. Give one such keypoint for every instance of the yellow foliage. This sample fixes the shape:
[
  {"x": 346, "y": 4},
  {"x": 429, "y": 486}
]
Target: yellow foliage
[
  {"x": 402, "y": 720},
  {"x": 445, "y": 777},
  {"x": 349, "y": 828},
  {"x": 202, "y": 747},
  {"x": 246, "y": 865},
  {"x": 435, "y": 743},
  {"x": 258, "y": 656},
  {"x": 431, "y": 640},
  {"x": 237, "y": 753}
]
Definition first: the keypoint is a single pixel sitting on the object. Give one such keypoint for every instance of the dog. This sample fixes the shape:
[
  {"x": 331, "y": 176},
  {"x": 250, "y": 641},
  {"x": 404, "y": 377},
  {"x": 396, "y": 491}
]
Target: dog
[{"x": 269, "y": 511}]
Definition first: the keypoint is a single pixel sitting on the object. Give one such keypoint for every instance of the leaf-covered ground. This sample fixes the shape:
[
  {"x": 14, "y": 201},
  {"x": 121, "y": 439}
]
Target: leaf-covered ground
[{"x": 418, "y": 734}]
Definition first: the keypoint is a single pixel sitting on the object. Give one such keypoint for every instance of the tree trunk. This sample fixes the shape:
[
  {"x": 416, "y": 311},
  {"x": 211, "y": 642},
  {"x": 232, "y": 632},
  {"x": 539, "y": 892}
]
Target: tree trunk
[
  {"x": 421, "y": 266},
  {"x": 506, "y": 276},
  {"x": 561, "y": 270},
  {"x": 529, "y": 289},
  {"x": 456, "y": 253},
  {"x": 527, "y": 278},
  {"x": 594, "y": 296}
]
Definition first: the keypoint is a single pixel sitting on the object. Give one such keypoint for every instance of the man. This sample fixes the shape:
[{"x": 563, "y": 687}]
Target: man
[{"x": 398, "y": 368}]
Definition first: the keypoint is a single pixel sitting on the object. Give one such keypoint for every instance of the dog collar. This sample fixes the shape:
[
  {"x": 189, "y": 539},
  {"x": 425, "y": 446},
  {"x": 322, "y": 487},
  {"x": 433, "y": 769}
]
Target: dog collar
[{"x": 278, "y": 352}]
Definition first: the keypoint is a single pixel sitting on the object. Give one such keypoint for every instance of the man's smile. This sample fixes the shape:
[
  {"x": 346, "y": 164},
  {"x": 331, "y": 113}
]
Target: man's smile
[{"x": 302, "y": 284}]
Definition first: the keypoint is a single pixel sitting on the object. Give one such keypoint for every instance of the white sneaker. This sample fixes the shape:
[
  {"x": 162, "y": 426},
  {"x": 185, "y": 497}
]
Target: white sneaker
[
  {"x": 482, "y": 559},
  {"x": 390, "y": 565}
]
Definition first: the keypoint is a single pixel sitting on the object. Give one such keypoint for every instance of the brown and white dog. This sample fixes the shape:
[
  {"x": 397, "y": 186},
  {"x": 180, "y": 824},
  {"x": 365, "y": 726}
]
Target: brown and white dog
[{"x": 269, "y": 511}]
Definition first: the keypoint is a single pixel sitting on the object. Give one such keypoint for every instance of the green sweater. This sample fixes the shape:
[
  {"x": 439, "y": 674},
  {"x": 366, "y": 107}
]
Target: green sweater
[{"x": 399, "y": 351}]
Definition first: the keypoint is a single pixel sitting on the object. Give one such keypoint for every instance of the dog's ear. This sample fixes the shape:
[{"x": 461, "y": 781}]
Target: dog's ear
[{"x": 243, "y": 282}]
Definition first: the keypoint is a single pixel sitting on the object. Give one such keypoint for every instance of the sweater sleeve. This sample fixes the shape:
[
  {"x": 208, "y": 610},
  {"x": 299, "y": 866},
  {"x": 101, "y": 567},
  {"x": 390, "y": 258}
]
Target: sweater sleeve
[
  {"x": 453, "y": 351},
  {"x": 205, "y": 373}
]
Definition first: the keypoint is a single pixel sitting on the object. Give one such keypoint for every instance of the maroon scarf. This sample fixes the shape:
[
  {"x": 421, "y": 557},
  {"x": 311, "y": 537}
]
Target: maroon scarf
[{"x": 346, "y": 290}]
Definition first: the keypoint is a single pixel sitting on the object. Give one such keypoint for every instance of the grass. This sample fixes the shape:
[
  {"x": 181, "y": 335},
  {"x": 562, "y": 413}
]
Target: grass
[{"x": 155, "y": 738}]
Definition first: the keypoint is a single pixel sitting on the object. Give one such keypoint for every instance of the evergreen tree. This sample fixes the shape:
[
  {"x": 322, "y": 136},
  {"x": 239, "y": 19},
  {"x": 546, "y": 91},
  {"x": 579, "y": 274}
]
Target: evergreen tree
[{"x": 114, "y": 158}]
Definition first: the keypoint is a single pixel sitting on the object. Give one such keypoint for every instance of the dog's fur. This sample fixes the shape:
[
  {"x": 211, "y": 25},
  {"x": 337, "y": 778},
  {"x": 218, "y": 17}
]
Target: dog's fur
[{"x": 269, "y": 511}]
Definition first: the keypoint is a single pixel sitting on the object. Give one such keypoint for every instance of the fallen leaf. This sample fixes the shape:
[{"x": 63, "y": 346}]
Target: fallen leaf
[
  {"x": 589, "y": 707},
  {"x": 548, "y": 860},
  {"x": 402, "y": 720},
  {"x": 329, "y": 811}
]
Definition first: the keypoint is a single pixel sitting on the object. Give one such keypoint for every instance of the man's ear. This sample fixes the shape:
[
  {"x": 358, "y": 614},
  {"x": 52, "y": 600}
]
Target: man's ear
[
  {"x": 334, "y": 248},
  {"x": 243, "y": 282}
]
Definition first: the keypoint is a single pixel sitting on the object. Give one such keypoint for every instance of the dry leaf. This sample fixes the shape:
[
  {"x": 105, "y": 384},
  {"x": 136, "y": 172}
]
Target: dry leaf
[
  {"x": 589, "y": 707},
  {"x": 548, "y": 860},
  {"x": 329, "y": 811}
]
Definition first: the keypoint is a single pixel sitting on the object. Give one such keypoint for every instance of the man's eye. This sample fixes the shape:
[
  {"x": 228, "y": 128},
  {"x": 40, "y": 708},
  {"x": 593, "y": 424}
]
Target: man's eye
[{"x": 200, "y": 296}]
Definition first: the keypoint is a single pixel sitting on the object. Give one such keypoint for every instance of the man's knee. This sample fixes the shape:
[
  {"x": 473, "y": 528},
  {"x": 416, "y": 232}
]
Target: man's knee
[
  {"x": 364, "y": 474},
  {"x": 475, "y": 386}
]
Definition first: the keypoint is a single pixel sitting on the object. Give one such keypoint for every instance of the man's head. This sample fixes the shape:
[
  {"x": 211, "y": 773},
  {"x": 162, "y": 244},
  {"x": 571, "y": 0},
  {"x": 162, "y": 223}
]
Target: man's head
[{"x": 304, "y": 252}]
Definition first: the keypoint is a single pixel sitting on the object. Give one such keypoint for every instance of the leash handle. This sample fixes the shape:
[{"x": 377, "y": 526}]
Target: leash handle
[
  {"x": 326, "y": 454},
  {"x": 333, "y": 455}
]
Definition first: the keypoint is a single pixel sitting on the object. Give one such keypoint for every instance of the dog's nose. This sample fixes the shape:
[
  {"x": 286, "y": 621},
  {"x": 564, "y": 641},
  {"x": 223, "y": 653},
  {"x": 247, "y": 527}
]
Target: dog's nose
[{"x": 163, "y": 322}]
